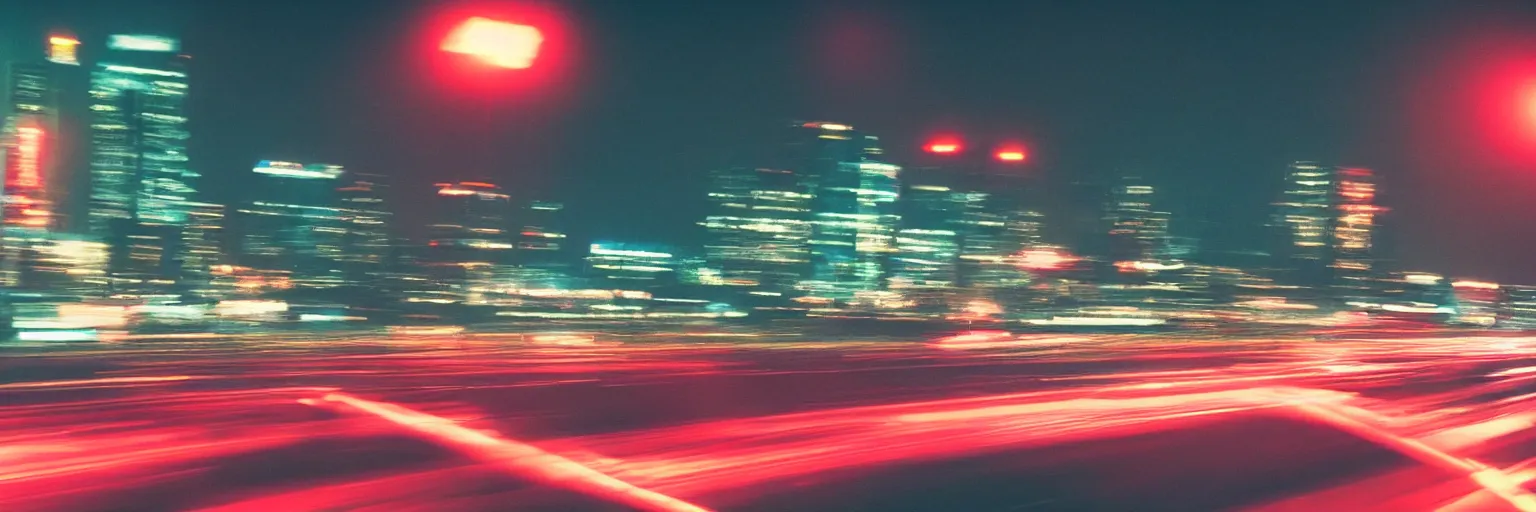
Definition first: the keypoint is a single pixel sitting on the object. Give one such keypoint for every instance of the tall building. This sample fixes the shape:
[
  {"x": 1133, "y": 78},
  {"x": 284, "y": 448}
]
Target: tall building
[
  {"x": 1354, "y": 229},
  {"x": 365, "y": 246},
  {"x": 203, "y": 242},
  {"x": 759, "y": 229},
  {"x": 141, "y": 183},
  {"x": 925, "y": 267},
  {"x": 1327, "y": 215},
  {"x": 470, "y": 250},
  {"x": 293, "y": 224},
  {"x": 39, "y": 142},
  {"x": 31, "y": 124},
  {"x": 853, "y": 207},
  {"x": 1137, "y": 231},
  {"x": 542, "y": 252}
]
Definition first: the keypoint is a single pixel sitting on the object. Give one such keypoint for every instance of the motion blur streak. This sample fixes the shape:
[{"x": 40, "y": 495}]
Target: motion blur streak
[
  {"x": 663, "y": 421},
  {"x": 1493, "y": 480},
  {"x": 93, "y": 382},
  {"x": 518, "y": 457}
]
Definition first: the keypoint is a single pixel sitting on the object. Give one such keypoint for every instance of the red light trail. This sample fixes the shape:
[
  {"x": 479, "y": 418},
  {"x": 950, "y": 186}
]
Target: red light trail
[{"x": 716, "y": 425}]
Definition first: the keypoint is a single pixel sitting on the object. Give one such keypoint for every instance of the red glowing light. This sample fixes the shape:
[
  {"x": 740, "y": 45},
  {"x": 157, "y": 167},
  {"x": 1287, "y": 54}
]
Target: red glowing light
[
  {"x": 944, "y": 148},
  {"x": 1010, "y": 155},
  {"x": 29, "y": 149},
  {"x": 498, "y": 43}
]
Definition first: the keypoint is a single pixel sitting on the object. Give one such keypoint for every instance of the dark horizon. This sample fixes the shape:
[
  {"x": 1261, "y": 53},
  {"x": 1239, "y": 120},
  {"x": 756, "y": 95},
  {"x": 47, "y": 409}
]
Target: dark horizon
[{"x": 1209, "y": 101}]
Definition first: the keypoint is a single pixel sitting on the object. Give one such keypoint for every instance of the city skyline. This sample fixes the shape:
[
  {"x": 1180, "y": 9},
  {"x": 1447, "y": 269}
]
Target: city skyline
[
  {"x": 1422, "y": 213},
  {"x": 695, "y": 256}
]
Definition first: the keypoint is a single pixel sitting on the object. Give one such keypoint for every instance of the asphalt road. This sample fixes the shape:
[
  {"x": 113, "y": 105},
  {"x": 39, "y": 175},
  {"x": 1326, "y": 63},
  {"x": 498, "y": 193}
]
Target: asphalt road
[{"x": 694, "y": 421}]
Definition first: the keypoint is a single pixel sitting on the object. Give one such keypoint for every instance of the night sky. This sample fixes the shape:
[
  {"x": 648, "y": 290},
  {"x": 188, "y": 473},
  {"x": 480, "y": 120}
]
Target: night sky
[{"x": 635, "y": 101}]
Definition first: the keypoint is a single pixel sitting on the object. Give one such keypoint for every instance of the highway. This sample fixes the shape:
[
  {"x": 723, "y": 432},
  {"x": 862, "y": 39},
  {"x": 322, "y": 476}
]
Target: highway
[{"x": 675, "y": 421}]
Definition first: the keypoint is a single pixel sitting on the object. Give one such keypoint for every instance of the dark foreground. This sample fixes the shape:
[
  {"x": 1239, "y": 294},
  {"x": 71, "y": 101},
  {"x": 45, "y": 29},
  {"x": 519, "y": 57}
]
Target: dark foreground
[{"x": 689, "y": 422}]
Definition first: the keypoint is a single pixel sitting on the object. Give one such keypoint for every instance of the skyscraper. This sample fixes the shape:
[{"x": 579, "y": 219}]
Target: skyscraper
[
  {"x": 470, "y": 251},
  {"x": 365, "y": 246},
  {"x": 1137, "y": 230},
  {"x": 203, "y": 242},
  {"x": 542, "y": 253},
  {"x": 31, "y": 124},
  {"x": 759, "y": 229},
  {"x": 1327, "y": 215},
  {"x": 141, "y": 188},
  {"x": 853, "y": 207},
  {"x": 39, "y": 121},
  {"x": 293, "y": 224},
  {"x": 925, "y": 267},
  {"x": 1354, "y": 230}
]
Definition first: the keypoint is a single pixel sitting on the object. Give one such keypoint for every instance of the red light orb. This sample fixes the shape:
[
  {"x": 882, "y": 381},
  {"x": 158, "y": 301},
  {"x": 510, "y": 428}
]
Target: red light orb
[
  {"x": 1010, "y": 155},
  {"x": 943, "y": 148},
  {"x": 1528, "y": 106},
  {"x": 497, "y": 43}
]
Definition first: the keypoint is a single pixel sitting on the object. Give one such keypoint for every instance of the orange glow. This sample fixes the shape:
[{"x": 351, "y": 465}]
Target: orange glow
[
  {"x": 944, "y": 148},
  {"x": 477, "y": 184},
  {"x": 61, "y": 49},
  {"x": 1481, "y": 285},
  {"x": 29, "y": 147},
  {"x": 1011, "y": 155},
  {"x": 1044, "y": 259},
  {"x": 498, "y": 43}
]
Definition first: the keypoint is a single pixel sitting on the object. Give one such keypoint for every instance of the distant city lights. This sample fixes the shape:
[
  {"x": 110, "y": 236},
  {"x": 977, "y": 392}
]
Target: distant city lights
[{"x": 1044, "y": 259}]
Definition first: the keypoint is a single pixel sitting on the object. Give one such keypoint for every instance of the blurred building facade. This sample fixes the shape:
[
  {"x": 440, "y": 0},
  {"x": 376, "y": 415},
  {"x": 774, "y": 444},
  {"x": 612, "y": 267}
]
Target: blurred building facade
[
  {"x": 1327, "y": 219},
  {"x": 469, "y": 252},
  {"x": 141, "y": 180},
  {"x": 293, "y": 223}
]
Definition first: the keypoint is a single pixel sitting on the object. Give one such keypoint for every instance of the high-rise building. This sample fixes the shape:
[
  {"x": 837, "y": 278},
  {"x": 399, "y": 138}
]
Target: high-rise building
[
  {"x": 925, "y": 267},
  {"x": 1305, "y": 212},
  {"x": 853, "y": 207},
  {"x": 1327, "y": 215},
  {"x": 141, "y": 182},
  {"x": 203, "y": 245},
  {"x": 365, "y": 246},
  {"x": 759, "y": 230},
  {"x": 470, "y": 251},
  {"x": 31, "y": 124},
  {"x": 1137, "y": 231},
  {"x": 39, "y": 143},
  {"x": 1353, "y": 229},
  {"x": 293, "y": 223},
  {"x": 542, "y": 254}
]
